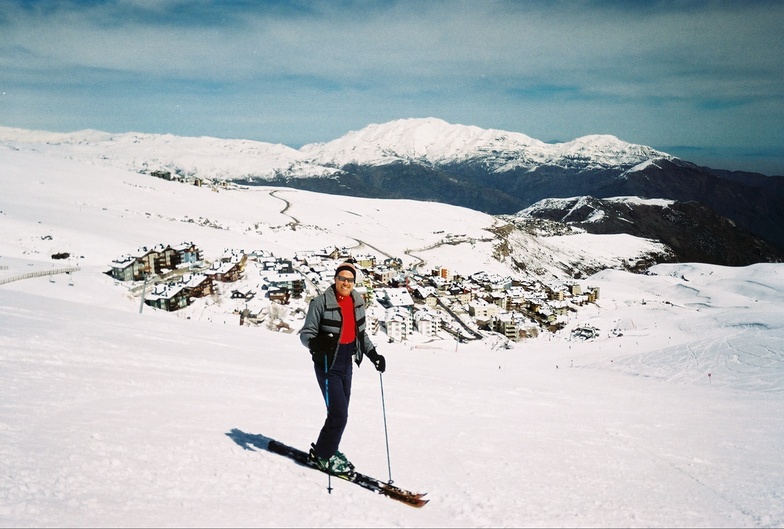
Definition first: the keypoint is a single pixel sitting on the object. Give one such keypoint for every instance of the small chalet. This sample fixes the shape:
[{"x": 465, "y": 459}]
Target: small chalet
[
  {"x": 127, "y": 268},
  {"x": 135, "y": 266},
  {"x": 148, "y": 258},
  {"x": 279, "y": 295},
  {"x": 166, "y": 257},
  {"x": 239, "y": 257},
  {"x": 393, "y": 262},
  {"x": 242, "y": 294},
  {"x": 291, "y": 282},
  {"x": 197, "y": 285},
  {"x": 384, "y": 275},
  {"x": 329, "y": 252},
  {"x": 168, "y": 297},
  {"x": 224, "y": 272},
  {"x": 166, "y": 175},
  {"x": 426, "y": 294},
  {"x": 460, "y": 294},
  {"x": 593, "y": 294},
  {"x": 187, "y": 253},
  {"x": 365, "y": 260}
]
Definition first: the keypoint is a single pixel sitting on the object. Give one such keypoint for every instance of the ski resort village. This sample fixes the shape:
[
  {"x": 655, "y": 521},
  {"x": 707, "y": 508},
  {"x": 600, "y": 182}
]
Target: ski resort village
[{"x": 256, "y": 288}]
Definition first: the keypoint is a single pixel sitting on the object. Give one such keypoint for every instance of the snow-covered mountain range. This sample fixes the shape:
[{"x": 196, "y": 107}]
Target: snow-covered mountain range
[
  {"x": 434, "y": 141},
  {"x": 428, "y": 140},
  {"x": 428, "y": 159}
]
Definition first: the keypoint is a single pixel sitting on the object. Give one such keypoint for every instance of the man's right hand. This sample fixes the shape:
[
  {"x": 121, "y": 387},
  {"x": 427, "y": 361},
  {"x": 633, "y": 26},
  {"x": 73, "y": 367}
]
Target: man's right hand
[{"x": 322, "y": 343}]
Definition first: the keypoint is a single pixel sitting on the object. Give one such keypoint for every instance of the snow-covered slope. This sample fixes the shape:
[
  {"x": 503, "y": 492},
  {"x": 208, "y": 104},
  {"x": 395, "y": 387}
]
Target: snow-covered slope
[
  {"x": 203, "y": 157},
  {"x": 671, "y": 416}
]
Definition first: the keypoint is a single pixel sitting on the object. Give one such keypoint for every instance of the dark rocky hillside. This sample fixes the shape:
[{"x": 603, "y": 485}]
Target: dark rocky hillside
[{"x": 694, "y": 232}]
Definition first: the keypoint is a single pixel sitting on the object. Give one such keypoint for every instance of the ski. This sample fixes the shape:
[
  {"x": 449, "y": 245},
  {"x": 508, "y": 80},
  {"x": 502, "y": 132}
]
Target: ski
[{"x": 366, "y": 482}]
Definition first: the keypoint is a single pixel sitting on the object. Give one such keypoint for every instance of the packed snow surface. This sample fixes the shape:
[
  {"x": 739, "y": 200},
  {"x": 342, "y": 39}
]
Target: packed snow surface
[{"x": 110, "y": 416}]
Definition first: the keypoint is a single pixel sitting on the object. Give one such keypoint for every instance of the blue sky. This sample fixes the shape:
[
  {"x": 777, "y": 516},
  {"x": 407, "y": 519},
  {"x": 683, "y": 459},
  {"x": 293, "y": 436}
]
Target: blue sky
[{"x": 701, "y": 80}]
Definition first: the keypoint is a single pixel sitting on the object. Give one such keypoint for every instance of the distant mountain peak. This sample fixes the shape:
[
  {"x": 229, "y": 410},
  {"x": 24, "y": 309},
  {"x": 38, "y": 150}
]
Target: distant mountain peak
[
  {"x": 435, "y": 141},
  {"x": 430, "y": 140}
]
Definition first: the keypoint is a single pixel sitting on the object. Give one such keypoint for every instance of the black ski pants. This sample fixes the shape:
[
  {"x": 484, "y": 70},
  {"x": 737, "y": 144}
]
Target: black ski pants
[{"x": 335, "y": 386}]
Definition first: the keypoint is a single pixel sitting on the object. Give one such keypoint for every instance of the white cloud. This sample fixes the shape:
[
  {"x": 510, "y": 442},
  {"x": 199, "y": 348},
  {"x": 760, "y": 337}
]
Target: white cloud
[{"x": 698, "y": 74}]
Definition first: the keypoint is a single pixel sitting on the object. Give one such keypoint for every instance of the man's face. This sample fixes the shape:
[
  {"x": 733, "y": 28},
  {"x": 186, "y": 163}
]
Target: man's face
[{"x": 344, "y": 282}]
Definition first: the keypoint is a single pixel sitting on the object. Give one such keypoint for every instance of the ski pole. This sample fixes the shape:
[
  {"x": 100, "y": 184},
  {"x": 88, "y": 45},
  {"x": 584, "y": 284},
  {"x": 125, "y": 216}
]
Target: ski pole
[
  {"x": 326, "y": 398},
  {"x": 326, "y": 382},
  {"x": 386, "y": 434}
]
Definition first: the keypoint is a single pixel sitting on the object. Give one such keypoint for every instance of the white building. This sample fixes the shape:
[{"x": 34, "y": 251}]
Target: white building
[
  {"x": 482, "y": 310},
  {"x": 398, "y": 325},
  {"x": 426, "y": 322},
  {"x": 384, "y": 274}
]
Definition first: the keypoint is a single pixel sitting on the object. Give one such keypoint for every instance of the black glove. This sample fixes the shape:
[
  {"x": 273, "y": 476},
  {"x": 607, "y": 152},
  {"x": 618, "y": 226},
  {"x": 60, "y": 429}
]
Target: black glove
[
  {"x": 320, "y": 359},
  {"x": 322, "y": 349},
  {"x": 378, "y": 360},
  {"x": 322, "y": 343}
]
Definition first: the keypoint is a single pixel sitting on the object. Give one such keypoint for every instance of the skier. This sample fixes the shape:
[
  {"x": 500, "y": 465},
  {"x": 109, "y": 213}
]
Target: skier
[{"x": 334, "y": 333}]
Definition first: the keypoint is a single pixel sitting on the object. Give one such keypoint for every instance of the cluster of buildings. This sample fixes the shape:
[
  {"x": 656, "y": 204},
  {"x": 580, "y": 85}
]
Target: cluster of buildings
[
  {"x": 400, "y": 301},
  {"x": 215, "y": 185},
  {"x": 178, "y": 273}
]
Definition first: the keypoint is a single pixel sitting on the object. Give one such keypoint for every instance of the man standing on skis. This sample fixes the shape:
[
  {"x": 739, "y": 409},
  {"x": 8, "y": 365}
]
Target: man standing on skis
[{"x": 334, "y": 333}]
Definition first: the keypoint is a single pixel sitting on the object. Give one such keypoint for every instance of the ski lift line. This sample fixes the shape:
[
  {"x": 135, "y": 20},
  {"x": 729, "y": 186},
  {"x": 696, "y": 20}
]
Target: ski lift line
[
  {"x": 471, "y": 331},
  {"x": 385, "y": 254},
  {"x": 39, "y": 273}
]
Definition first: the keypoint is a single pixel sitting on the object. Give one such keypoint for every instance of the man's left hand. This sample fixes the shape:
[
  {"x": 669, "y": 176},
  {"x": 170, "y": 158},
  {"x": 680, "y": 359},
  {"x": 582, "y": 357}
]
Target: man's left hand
[{"x": 378, "y": 360}]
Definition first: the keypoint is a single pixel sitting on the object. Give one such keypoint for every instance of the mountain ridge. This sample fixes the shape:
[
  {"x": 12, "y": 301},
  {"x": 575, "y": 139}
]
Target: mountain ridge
[
  {"x": 414, "y": 139},
  {"x": 427, "y": 159},
  {"x": 432, "y": 140}
]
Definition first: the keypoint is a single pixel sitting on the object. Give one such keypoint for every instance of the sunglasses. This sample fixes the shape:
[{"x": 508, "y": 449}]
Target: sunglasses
[{"x": 345, "y": 279}]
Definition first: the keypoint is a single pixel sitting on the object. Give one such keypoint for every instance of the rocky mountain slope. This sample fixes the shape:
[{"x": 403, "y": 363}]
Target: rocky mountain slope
[{"x": 693, "y": 232}]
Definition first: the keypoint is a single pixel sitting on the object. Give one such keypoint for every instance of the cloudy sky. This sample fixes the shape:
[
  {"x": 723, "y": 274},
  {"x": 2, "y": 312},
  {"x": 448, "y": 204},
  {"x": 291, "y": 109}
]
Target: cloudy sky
[{"x": 700, "y": 80}]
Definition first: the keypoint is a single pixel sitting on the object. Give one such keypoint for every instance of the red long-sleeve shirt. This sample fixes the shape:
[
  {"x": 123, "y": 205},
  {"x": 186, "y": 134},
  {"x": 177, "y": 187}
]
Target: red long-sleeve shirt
[{"x": 348, "y": 332}]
